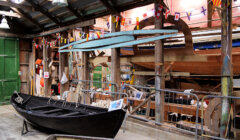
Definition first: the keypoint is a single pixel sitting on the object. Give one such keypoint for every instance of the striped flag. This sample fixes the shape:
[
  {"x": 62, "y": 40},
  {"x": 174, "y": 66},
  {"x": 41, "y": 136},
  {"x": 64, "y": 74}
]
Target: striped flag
[
  {"x": 123, "y": 21},
  {"x": 87, "y": 37},
  {"x": 137, "y": 23},
  {"x": 117, "y": 20},
  {"x": 98, "y": 34},
  {"x": 216, "y": 2}
]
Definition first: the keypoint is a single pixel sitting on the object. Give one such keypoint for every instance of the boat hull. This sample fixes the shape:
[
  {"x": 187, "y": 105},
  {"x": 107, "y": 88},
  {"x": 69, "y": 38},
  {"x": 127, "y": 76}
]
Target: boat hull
[{"x": 104, "y": 124}]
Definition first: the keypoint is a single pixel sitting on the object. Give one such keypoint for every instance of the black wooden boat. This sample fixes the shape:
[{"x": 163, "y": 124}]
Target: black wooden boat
[{"x": 67, "y": 117}]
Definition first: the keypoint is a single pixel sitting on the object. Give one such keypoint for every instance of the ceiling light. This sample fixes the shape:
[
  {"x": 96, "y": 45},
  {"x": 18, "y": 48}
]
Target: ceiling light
[
  {"x": 61, "y": 3},
  {"x": 4, "y": 24},
  {"x": 17, "y": 1}
]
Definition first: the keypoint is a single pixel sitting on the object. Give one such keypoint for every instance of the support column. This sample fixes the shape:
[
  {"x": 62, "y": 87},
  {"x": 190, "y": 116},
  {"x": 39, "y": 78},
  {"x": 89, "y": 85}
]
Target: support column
[
  {"x": 86, "y": 60},
  {"x": 159, "y": 69},
  {"x": 61, "y": 69},
  {"x": 227, "y": 78},
  {"x": 209, "y": 12},
  {"x": 45, "y": 68},
  {"x": 34, "y": 69},
  {"x": 115, "y": 58}
]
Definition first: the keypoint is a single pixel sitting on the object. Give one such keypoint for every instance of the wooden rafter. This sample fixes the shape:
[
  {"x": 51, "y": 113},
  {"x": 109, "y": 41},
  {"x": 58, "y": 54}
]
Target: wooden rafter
[
  {"x": 11, "y": 4},
  {"x": 44, "y": 12},
  {"x": 27, "y": 16},
  {"x": 74, "y": 11},
  {"x": 109, "y": 7}
]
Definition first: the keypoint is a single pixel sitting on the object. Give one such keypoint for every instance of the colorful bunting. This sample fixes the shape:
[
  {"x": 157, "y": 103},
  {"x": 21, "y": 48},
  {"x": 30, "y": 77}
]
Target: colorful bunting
[
  {"x": 216, "y": 2},
  {"x": 98, "y": 35},
  {"x": 87, "y": 37},
  {"x": 113, "y": 19},
  {"x": 123, "y": 21},
  {"x": 189, "y": 15},
  {"x": 108, "y": 25},
  {"x": 177, "y": 16},
  {"x": 137, "y": 23},
  {"x": 167, "y": 13},
  {"x": 117, "y": 20},
  {"x": 203, "y": 11}
]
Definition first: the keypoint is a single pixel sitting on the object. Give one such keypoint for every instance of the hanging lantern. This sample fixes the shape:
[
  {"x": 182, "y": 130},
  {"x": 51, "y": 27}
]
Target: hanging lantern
[{"x": 61, "y": 3}]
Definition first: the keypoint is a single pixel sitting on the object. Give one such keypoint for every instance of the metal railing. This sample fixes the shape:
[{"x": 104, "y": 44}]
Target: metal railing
[{"x": 179, "y": 107}]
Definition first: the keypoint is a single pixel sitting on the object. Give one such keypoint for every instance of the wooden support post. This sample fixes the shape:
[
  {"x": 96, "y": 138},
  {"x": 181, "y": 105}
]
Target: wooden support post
[
  {"x": 61, "y": 69},
  {"x": 159, "y": 68},
  {"x": 45, "y": 67},
  {"x": 33, "y": 70},
  {"x": 115, "y": 59},
  {"x": 209, "y": 12},
  {"x": 85, "y": 63},
  {"x": 226, "y": 79}
]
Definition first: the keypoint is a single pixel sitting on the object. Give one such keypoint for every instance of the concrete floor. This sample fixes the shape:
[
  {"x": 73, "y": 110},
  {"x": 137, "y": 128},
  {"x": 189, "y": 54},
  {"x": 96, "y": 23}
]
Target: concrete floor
[{"x": 11, "y": 126}]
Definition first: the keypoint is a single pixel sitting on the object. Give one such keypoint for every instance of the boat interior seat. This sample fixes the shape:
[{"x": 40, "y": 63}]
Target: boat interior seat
[
  {"x": 40, "y": 107},
  {"x": 52, "y": 111}
]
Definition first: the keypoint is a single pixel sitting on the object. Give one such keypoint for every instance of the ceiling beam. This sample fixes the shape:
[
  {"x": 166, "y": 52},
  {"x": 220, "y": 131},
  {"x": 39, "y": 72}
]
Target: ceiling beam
[
  {"x": 74, "y": 11},
  {"x": 44, "y": 12},
  {"x": 11, "y": 4},
  {"x": 28, "y": 17},
  {"x": 10, "y": 14},
  {"x": 109, "y": 7}
]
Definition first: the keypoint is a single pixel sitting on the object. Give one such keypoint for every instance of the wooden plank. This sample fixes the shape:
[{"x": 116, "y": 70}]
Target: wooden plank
[
  {"x": 63, "y": 28},
  {"x": 11, "y": 4},
  {"x": 10, "y": 14},
  {"x": 104, "y": 42},
  {"x": 114, "y": 34},
  {"x": 130, "y": 43}
]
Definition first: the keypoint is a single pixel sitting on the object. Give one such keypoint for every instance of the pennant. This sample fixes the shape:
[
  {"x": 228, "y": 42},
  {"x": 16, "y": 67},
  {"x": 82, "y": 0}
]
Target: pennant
[
  {"x": 117, "y": 20},
  {"x": 177, "y": 16},
  {"x": 65, "y": 41},
  {"x": 203, "y": 11},
  {"x": 123, "y": 21},
  {"x": 160, "y": 8},
  {"x": 145, "y": 17},
  {"x": 137, "y": 22},
  {"x": 108, "y": 25},
  {"x": 80, "y": 35},
  {"x": 113, "y": 19},
  {"x": 98, "y": 35},
  {"x": 130, "y": 21},
  {"x": 167, "y": 13},
  {"x": 87, "y": 37},
  {"x": 92, "y": 36},
  {"x": 61, "y": 40},
  {"x": 102, "y": 32},
  {"x": 216, "y": 2},
  {"x": 189, "y": 15}
]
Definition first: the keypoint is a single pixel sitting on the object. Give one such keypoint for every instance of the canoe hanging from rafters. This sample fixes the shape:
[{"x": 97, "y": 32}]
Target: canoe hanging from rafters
[{"x": 117, "y": 40}]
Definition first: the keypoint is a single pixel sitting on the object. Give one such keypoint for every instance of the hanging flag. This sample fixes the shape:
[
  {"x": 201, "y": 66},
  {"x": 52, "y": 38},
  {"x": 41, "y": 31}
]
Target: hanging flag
[
  {"x": 98, "y": 35},
  {"x": 87, "y": 37},
  {"x": 145, "y": 17},
  {"x": 80, "y": 35},
  {"x": 92, "y": 36},
  {"x": 130, "y": 21},
  {"x": 83, "y": 35},
  {"x": 203, "y": 11},
  {"x": 158, "y": 11},
  {"x": 102, "y": 32},
  {"x": 65, "y": 41},
  {"x": 117, "y": 20},
  {"x": 137, "y": 22},
  {"x": 189, "y": 15},
  {"x": 123, "y": 21},
  {"x": 177, "y": 16},
  {"x": 216, "y": 2},
  {"x": 167, "y": 13},
  {"x": 61, "y": 40},
  {"x": 108, "y": 25},
  {"x": 113, "y": 19}
]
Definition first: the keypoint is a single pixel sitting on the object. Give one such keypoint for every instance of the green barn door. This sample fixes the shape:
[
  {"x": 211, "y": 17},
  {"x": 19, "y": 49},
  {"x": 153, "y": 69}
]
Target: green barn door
[{"x": 9, "y": 67}]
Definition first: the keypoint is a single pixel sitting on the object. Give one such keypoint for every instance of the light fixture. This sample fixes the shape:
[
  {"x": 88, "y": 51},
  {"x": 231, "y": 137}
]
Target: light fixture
[
  {"x": 4, "y": 24},
  {"x": 17, "y": 1},
  {"x": 61, "y": 3}
]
